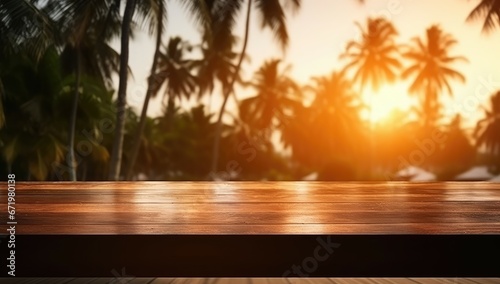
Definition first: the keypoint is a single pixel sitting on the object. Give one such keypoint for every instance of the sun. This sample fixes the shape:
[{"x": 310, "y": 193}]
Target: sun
[{"x": 382, "y": 103}]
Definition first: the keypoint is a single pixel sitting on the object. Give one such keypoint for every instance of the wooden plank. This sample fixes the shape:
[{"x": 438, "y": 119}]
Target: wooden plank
[
  {"x": 461, "y": 194},
  {"x": 166, "y": 197},
  {"x": 256, "y": 207},
  {"x": 217, "y": 229},
  {"x": 296, "y": 216},
  {"x": 292, "y": 186},
  {"x": 236, "y": 219},
  {"x": 234, "y": 189},
  {"x": 295, "y": 208}
]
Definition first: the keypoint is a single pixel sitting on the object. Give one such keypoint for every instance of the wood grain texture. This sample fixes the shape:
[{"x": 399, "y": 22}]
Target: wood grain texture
[{"x": 256, "y": 208}]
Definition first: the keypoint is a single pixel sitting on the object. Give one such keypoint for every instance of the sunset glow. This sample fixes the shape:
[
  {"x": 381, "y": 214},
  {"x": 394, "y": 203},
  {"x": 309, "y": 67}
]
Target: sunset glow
[{"x": 383, "y": 103}]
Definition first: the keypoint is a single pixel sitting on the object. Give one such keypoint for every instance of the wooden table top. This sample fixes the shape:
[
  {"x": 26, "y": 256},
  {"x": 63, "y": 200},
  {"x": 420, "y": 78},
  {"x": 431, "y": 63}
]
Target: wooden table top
[{"x": 255, "y": 208}]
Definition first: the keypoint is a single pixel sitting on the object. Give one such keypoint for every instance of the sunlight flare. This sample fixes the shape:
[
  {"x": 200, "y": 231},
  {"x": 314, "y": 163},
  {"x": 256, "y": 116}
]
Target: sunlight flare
[{"x": 382, "y": 104}]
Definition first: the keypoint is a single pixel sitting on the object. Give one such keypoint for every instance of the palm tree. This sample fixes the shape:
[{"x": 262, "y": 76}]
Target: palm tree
[
  {"x": 88, "y": 27},
  {"x": 276, "y": 96},
  {"x": 489, "y": 10},
  {"x": 153, "y": 12},
  {"x": 338, "y": 107},
  {"x": 431, "y": 67},
  {"x": 157, "y": 19},
  {"x": 217, "y": 62},
  {"x": 24, "y": 29},
  {"x": 174, "y": 71},
  {"x": 37, "y": 94},
  {"x": 216, "y": 65},
  {"x": 331, "y": 125},
  {"x": 32, "y": 138},
  {"x": 116, "y": 155},
  {"x": 272, "y": 13},
  {"x": 375, "y": 56},
  {"x": 487, "y": 132},
  {"x": 23, "y": 26}
]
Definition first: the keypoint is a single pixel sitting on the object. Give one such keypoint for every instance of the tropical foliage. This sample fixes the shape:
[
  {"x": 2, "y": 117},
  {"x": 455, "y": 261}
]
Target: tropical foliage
[
  {"x": 489, "y": 11},
  {"x": 375, "y": 55},
  {"x": 431, "y": 70},
  {"x": 487, "y": 132},
  {"x": 62, "y": 119}
]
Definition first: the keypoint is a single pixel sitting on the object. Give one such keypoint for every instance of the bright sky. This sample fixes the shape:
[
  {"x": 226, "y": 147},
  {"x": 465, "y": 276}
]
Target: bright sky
[{"x": 319, "y": 32}]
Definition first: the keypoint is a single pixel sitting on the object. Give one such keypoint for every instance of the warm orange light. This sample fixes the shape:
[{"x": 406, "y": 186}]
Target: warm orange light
[{"x": 382, "y": 103}]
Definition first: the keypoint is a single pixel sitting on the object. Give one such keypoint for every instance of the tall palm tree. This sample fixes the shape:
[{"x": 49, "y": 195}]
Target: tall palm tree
[
  {"x": 116, "y": 155},
  {"x": 489, "y": 10},
  {"x": 431, "y": 68},
  {"x": 154, "y": 13},
  {"x": 487, "y": 132},
  {"x": 375, "y": 56},
  {"x": 273, "y": 16},
  {"x": 87, "y": 29},
  {"x": 276, "y": 96},
  {"x": 218, "y": 41},
  {"x": 174, "y": 71}
]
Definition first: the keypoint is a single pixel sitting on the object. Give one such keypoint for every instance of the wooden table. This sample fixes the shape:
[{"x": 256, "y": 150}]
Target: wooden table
[
  {"x": 256, "y": 208},
  {"x": 251, "y": 228}
]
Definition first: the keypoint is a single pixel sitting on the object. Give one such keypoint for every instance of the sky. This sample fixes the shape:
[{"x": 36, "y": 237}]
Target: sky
[{"x": 318, "y": 35}]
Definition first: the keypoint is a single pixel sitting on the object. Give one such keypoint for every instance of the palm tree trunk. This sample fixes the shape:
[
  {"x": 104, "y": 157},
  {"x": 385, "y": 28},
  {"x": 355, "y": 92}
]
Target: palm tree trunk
[
  {"x": 170, "y": 112},
  {"x": 72, "y": 125},
  {"x": 227, "y": 92},
  {"x": 427, "y": 107},
  {"x": 116, "y": 155},
  {"x": 149, "y": 93}
]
